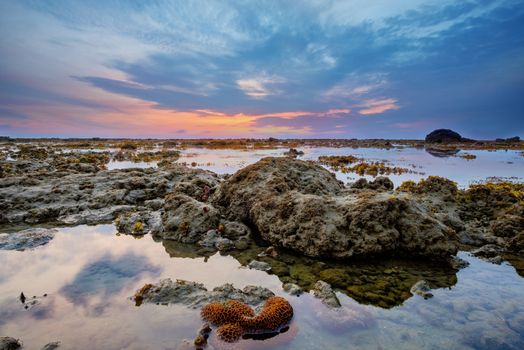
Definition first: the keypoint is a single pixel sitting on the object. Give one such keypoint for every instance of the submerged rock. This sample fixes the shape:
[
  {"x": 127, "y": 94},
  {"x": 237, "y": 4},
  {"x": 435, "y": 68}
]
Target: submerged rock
[
  {"x": 26, "y": 239},
  {"x": 212, "y": 239},
  {"x": 292, "y": 288},
  {"x": 421, "y": 288},
  {"x": 259, "y": 265},
  {"x": 195, "y": 295},
  {"x": 301, "y": 206},
  {"x": 325, "y": 293}
]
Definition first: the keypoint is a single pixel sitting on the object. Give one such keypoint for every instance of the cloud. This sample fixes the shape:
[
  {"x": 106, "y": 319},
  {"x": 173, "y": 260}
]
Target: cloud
[
  {"x": 378, "y": 106},
  {"x": 315, "y": 67}
]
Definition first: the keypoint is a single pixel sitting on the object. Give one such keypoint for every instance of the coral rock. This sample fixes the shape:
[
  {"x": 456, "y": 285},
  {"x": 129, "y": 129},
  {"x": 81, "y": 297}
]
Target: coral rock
[
  {"x": 230, "y": 332},
  {"x": 234, "y": 318}
]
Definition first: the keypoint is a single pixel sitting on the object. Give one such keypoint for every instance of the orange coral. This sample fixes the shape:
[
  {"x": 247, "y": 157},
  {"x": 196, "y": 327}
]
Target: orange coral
[
  {"x": 230, "y": 332},
  {"x": 231, "y": 311},
  {"x": 235, "y": 318},
  {"x": 276, "y": 312}
]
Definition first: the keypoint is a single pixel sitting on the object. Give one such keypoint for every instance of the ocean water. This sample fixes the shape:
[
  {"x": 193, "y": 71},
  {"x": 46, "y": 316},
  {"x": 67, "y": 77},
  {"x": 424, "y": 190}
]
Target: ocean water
[
  {"x": 89, "y": 273},
  {"x": 502, "y": 164}
]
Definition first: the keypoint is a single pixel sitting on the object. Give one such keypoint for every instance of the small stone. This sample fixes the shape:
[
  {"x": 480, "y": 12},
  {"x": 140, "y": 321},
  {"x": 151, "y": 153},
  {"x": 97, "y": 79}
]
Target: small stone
[
  {"x": 292, "y": 289},
  {"x": 259, "y": 265},
  {"x": 421, "y": 288},
  {"x": 325, "y": 293}
]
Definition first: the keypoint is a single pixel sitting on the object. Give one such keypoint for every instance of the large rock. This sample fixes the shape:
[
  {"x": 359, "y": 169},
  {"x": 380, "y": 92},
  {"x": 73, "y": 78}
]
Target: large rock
[
  {"x": 443, "y": 136},
  {"x": 301, "y": 206},
  {"x": 80, "y": 198},
  {"x": 195, "y": 295}
]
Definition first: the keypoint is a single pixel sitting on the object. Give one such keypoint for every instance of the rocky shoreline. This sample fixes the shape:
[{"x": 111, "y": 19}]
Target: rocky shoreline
[
  {"x": 288, "y": 203},
  {"x": 288, "y": 217}
]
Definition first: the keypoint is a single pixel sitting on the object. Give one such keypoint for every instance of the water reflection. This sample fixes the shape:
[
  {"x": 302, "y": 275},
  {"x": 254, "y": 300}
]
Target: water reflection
[
  {"x": 89, "y": 274},
  {"x": 449, "y": 164},
  {"x": 385, "y": 283},
  {"x": 104, "y": 277},
  {"x": 442, "y": 153}
]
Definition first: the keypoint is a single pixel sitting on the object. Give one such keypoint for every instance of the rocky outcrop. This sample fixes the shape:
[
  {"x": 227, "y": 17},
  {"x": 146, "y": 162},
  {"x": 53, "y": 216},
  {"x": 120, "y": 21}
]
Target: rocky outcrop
[
  {"x": 443, "y": 136},
  {"x": 80, "y": 198},
  {"x": 301, "y": 206},
  {"x": 195, "y": 295},
  {"x": 484, "y": 215}
]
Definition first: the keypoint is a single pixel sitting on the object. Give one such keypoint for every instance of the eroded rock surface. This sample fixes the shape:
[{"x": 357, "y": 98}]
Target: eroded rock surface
[
  {"x": 78, "y": 198},
  {"x": 195, "y": 295},
  {"x": 301, "y": 206}
]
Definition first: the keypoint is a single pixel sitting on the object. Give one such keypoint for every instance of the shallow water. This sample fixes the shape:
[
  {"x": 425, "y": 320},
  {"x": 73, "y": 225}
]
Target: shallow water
[
  {"x": 90, "y": 272},
  {"x": 127, "y": 164},
  {"x": 508, "y": 165}
]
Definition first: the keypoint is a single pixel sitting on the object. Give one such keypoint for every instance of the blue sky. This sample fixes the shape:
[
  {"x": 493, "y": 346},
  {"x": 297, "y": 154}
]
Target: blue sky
[{"x": 366, "y": 69}]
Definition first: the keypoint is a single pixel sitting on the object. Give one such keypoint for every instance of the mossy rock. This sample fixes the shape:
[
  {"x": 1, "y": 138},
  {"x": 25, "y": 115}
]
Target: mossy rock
[
  {"x": 336, "y": 277},
  {"x": 303, "y": 274}
]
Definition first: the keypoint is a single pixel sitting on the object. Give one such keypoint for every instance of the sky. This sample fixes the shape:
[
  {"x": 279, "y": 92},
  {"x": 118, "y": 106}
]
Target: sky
[{"x": 256, "y": 69}]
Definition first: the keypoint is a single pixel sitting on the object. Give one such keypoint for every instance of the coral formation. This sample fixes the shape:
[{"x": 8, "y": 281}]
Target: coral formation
[
  {"x": 230, "y": 332},
  {"x": 234, "y": 318},
  {"x": 231, "y": 311}
]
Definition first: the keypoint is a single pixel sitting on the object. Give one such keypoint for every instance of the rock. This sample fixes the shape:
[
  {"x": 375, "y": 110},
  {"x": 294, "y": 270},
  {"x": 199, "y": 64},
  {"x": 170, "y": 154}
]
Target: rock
[
  {"x": 458, "y": 263},
  {"x": 292, "y": 289},
  {"x": 242, "y": 244},
  {"x": 26, "y": 239},
  {"x": 46, "y": 193},
  {"x": 195, "y": 295},
  {"x": 509, "y": 139},
  {"x": 421, "y": 288},
  {"x": 301, "y": 206},
  {"x": 212, "y": 239},
  {"x": 186, "y": 219},
  {"x": 487, "y": 251},
  {"x": 325, "y": 293},
  {"x": 293, "y": 153},
  {"x": 270, "y": 251},
  {"x": 234, "y": 230},
  {"x": 259, "y": 265},
  {"x": 443, "y": 136},
  {"x": 380, "y": 183},
  {"x": 8, "y": 343},
  {"x": 51, "y": 346},
  {"x": 134, "y": 223},
  {"x": 94, "y": 216}
]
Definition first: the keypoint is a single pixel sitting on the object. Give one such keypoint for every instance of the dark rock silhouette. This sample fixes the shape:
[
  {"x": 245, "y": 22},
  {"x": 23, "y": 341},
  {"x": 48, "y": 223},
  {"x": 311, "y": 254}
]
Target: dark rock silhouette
[{"x": 443, "y": 136}]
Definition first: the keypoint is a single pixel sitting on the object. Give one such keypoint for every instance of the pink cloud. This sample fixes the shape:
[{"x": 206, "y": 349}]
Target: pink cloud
[{"x": 377, "y": 106}]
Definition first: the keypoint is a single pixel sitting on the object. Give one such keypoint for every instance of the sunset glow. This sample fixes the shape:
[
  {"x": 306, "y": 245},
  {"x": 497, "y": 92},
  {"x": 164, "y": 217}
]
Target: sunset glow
[{"x": 334, "y": 69}]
